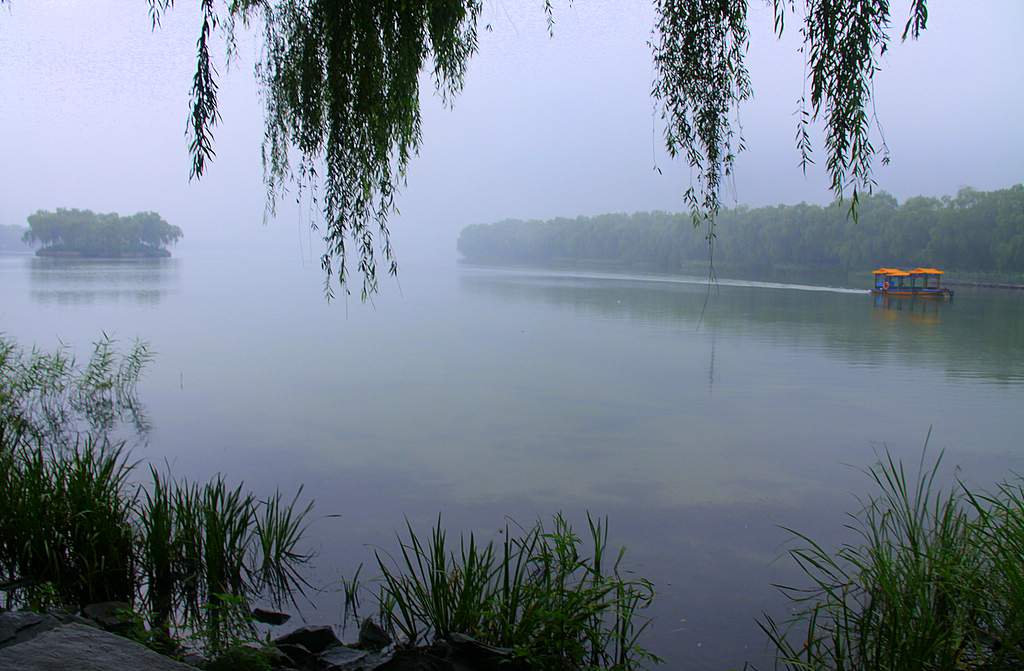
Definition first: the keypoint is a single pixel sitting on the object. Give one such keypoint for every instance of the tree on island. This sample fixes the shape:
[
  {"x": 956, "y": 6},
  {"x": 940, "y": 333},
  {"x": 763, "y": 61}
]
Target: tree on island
[{"x": 89, "y": 234}]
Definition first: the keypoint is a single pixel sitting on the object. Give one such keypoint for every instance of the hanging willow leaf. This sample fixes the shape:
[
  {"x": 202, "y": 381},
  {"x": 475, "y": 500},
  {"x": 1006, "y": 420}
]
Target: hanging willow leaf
[{"x": 340, "y": 80}]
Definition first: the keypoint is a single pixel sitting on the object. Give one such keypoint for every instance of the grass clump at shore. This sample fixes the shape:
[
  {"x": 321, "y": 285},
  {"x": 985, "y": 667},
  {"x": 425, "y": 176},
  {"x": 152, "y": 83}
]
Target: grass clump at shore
[
  {"x": 933, "y": 580},
  {"x": 77, "y": 527},
  {"x": 1001, "y": 533},
  {"x": 556, "y": 601},
  {"x": 66, "y": 526}
]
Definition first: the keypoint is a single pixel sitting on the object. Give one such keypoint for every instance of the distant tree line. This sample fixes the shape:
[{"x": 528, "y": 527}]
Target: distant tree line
[
  {"x": 10, "y": 237},
  {"x": 90, "y": 234},
  {"x": 974, "y": 231}
]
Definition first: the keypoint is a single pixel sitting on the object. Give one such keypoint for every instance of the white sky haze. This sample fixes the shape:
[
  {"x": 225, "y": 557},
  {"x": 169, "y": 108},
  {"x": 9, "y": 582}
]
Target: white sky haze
[{"x": 94, "y": 105}]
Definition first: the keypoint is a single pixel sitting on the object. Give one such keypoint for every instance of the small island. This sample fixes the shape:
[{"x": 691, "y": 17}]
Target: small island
[{"x": 87, "y": 234}]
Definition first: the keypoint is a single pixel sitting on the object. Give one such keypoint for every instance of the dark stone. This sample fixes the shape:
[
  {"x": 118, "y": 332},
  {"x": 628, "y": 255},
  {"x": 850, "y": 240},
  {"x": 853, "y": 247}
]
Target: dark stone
[
  {"x": 471, "y": 653},
  {"x": 194, "y": 659},
  {"x": 275, "y": 656},
  {"x": 271, "y": 617},
  {"x": 78, "y": 619},
  {"x": 20, "y": 626},
  {"x": 372, "y": 636},
  {"x": 417, "y": 659},
  {"x": 115, "y": 616},
  {"x": 82, "y": 648},
  {"x": 464, "y": 643},
  {"x": 314, "y": 639},
  {"x": 299, "y": 654},
  {"x": 12, "y": 623},
  {"x": 441, "y": 648},
  {"x": 342, "y": 658},
  {"x": 375, "y": 660}
]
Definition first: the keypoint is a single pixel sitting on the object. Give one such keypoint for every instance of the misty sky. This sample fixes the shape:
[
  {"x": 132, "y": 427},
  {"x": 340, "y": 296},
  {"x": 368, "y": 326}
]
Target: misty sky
[{"x": 94, "y": 109}]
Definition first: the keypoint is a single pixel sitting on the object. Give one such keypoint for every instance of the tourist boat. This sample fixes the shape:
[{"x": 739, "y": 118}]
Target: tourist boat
[{"x": 915, "y": 283}]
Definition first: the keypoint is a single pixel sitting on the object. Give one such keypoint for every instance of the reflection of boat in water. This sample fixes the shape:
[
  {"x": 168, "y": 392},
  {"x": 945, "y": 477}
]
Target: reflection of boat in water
[
  {"x": 916, "y": 283},
  {"x": 900, "y": 307}
]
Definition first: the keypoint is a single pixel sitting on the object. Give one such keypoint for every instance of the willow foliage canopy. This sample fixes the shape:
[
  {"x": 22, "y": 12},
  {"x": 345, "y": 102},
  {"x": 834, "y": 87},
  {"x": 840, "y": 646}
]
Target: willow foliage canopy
[{"x": 341, "y": 84}]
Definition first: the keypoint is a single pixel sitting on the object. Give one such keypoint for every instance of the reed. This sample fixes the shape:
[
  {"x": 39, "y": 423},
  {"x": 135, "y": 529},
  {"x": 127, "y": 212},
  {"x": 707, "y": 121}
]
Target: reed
[
  {"x": 160, "y": 553},
  {"x": 1001, "y": 531},
  {"x": 77, "y": 528},
  {"x": 540, "y": 592},
  {"x": 208, "y": 551},
  {"x": 66, "y": 526},
  {"x": 53, "y": 397},
  {"x": 280, "y": 528},
  {"x": 931, "y": 581}
]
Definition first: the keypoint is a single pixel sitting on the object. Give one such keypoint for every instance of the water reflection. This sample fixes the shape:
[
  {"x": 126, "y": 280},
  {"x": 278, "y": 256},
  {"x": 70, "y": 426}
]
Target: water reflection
[
  {"x": 711, "y": 365},
  {"x": 918, "y": 311},
  {"x": 522, "y": 394},
  {"x": 142, "y": 282},
  {"x": 980, "y": 335},
  {"x": 713, "y": 565}
]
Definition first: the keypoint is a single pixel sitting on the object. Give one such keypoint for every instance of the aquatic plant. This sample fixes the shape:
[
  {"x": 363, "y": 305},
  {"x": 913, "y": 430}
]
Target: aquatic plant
[
  {"x": 1001, "y": 535},
  {"x": 77, "y": 528},
  {"x": 208, "y": 551},
  {"x": 52, "y": 397},
  {"x": 931, "y": 581},
  {"x": 540, "y": 592},
  {"x": 66, "y": 533}
]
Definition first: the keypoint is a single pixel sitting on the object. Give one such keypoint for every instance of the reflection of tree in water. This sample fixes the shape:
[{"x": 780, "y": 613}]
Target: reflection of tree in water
[
  {"x": 711, "y": 364},
  {"x": 83, "y": 282},
  {"x": 54, "y": 397},
  {"x": 980, "y": 334}
]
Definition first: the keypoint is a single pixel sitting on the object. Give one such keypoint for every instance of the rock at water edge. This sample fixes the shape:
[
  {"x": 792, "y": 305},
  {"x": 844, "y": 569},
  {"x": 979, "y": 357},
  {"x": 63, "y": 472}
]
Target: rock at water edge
[{"x": 83, "y": 648}]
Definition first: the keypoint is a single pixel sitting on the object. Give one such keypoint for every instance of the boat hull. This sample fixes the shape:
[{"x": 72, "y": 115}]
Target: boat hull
[{"x": 927, "y": 293}]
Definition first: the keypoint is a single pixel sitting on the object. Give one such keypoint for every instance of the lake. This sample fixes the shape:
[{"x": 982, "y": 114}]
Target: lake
[{"x": 697, "y": 420}]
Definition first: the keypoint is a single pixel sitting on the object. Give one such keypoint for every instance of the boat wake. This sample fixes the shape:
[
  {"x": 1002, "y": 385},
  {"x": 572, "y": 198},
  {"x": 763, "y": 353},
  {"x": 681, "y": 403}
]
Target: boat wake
[{"x": 663, "y": 279}]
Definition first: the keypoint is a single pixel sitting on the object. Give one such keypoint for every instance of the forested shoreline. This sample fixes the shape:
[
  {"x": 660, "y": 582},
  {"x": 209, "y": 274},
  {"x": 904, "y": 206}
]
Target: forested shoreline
[
  {"x": 83, "y": 233},
  {"x": 976, "y": 232}
]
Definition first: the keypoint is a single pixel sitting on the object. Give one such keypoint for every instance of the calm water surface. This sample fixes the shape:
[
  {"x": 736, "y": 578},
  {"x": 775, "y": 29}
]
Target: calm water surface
[{"x": 480, "y": 393}]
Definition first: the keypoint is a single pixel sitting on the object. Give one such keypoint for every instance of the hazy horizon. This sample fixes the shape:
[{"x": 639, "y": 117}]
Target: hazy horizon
[{"x": 544, "y": 128}]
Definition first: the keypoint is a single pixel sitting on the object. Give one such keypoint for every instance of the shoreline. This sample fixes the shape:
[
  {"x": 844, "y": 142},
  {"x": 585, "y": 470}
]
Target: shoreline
[
  {"x": 74, "y": 254},
  {"x": 987, "y": 285}
]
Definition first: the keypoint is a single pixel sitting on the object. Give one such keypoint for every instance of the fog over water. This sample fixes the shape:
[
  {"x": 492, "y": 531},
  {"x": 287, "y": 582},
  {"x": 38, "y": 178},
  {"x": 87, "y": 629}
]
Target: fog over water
[{"x": 698, "y": 422}]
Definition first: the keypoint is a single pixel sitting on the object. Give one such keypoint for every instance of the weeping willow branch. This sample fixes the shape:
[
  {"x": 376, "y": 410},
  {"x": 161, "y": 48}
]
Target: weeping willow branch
[
  {"x": 340, "y": 81},
  {"x": 700, "y": 49},
  {"x": 342, "y": 89},
  {"x": 701, "y": 77},
  {"x": 204, "y": 95}
]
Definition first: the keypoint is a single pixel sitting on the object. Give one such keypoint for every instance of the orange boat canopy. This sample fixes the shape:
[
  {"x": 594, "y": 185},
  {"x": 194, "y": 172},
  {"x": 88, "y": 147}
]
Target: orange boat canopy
[{"x": 897, "y": 272}]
